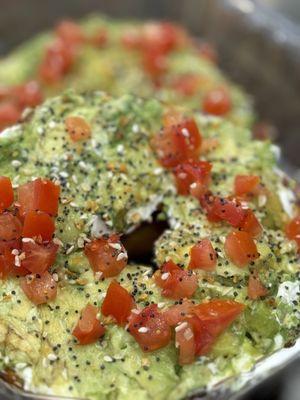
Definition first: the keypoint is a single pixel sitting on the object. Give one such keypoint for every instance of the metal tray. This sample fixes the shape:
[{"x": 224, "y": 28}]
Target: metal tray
[{"x": 259, "y": 48}]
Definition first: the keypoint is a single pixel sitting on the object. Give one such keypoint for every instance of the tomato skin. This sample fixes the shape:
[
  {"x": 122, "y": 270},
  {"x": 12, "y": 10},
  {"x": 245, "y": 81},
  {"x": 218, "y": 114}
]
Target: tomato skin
[
  {"x": 103, "y": 255},
  {"x": 207, "y": 201},
  {"x": 292, "y": 230},
  {"x": 203, "y": 256},
  {"x": 117, "y": 303},
  {"x": 27, "y": 95},
  {"x": 39, "y": 288},
  {"x": 176, "y": 144},
  {"x": 217, "y": 102},
  {"x": 187, "y": 84},
  {"x": 10, "y": 227},
  {"x": 246, "y": 184},
  {"x": 161, "y": 36},
  {"x": 185, "y": 341},
  {"x": 57, "y": 62},
  {"x": 38, "y": 224},
  {"x": 229, "y": 211},
  {"x": 9, "y": 114},
  {"x": 88, "y": 328},
  {"x": 240, "y": 248},
  {"x": 251, "y": 224},
  {"x": 158, "y": 332},
  {"x": 78, "y": 128},
  {"x": 255, "y": 288},
  {"x": 179, "y": 312},
  {"x": 192, "y": 177},
  {"x": 70, "y": 32},
  {"x": 6, "y": 193},
  {"x": 178, "y": 284},
  {"x": 38, "y": 257},
  {"x": 38, "y": 195},
  {"x": 8, "y": 265}
]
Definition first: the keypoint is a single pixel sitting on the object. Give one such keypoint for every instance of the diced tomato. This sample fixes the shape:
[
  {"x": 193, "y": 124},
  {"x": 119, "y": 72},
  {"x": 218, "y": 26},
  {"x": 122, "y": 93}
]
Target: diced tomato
[
  {"x": 38, "y": 257},
  {"x": 179, "y": 312},
  {"x": 251, "y": 224},
  {"x": 292, "y": 230},
  {"x": 203, "y": 256},
  {"x": 38, "y": 195},
  {"x": 162, "y": 36},
  {"x": 99, "y": 38},
  {"x": 38, "y": 224},
  {"x": 9, "y": 114},
  {"x": 6, "y": 193},
  {"x": 149, "y": 328},
  {"x": 57, "y": 62},
  {"x": 39, "y": 288},
  {"x": 185, "y": 341},
  {"x": 192, "y": 177},
  {"x": 217, "y": 102},
  {"x": 255, "y": 288},
  {"x": 106, "y": 255},
  {"x": 10, "y": 227},
  {"x": 175, "y": 282},
  {"x": 240, "y": 248},
  {"x": 246, "y": 184},
  {"x": 206, "y": 50},
  {"x": 28, "y": 94},
  {"x": 229, "y": 211},
  {"x": 8, "y": 264},
  {"x": 215, "y": 316},
  {"x": 176, "y": 144},
  {"x": 186, "y": 85},
  {"x": 88, "y": 329},
  {"x": 118, "y": 303},
  {"x": 70, "y": 32},
  {"x": 78, "y": 128},
  {"x": 154, "y": 63},
  {"x": 207, "y": 202}
]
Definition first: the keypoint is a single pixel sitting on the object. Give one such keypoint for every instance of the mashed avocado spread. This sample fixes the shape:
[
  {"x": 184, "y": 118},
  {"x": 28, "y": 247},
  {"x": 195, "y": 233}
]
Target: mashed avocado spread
[{"x": 110, "y": 183}]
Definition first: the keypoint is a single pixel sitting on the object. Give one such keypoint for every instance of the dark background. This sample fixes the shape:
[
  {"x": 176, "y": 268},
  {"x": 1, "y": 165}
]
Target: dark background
[{"x": 259, "y": 46}]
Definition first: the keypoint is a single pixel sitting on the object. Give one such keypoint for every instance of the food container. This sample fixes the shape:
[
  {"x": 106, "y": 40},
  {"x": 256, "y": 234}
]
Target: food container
[{"x": 259, "y": 48}]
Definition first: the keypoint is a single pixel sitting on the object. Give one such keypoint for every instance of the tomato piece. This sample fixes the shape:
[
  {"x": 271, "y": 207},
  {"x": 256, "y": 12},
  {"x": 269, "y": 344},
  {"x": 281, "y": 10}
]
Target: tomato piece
[
  {"x": 217, "y": 102},
  {"x": 6, "y": 193},
  {"x": 28, "y": 94},
  {"x": 240, "y": 248},
  {"x": 10, "y": 227},
  {"x": 255, "y": 288},
  {"x": 38, "y": 195},
  {"x": 106, "y": 255},
  {"x": 203, "y": 256},
  {"x": 39, "y": 288},
  {"x": 192, "y": 177},
  {"x": 161, "y": 36},
  {"x": 187, "y": 84},
  {"x": 57, "y": 62},
  {"x": 131, "y": 38},
  {"x": 176, "y": 144},
  {"x": 207, "y": 201},
  {"x": 9, "y": 262},
  {"x": 229, "y": 211},
  {"x": 246, "y": 184},
  {"x": 38, "y": 257},
  {"x": 9, "y": 114},
  {"x": 185, "y": 341},
  {"x": 215, "y": 317},
  {"x": 88, "y": 328},
  {"x": 179, "y": 312},
  {"x": 154, "y": 63},
  {"x": 175, "y": 282},
  {"x": 207, "y": 51},
  {"x": 38, "y": 224},
  {"x": 117, "y": 303},
  {"x": 70, "y": 32},
  {"x": 292, "y": 230},
  {"x": 149, "y": 328},
  {"x": 78, "y": 128},
  {"x": 99, "y": 38},
  {"x": 251, "y": 224}
]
